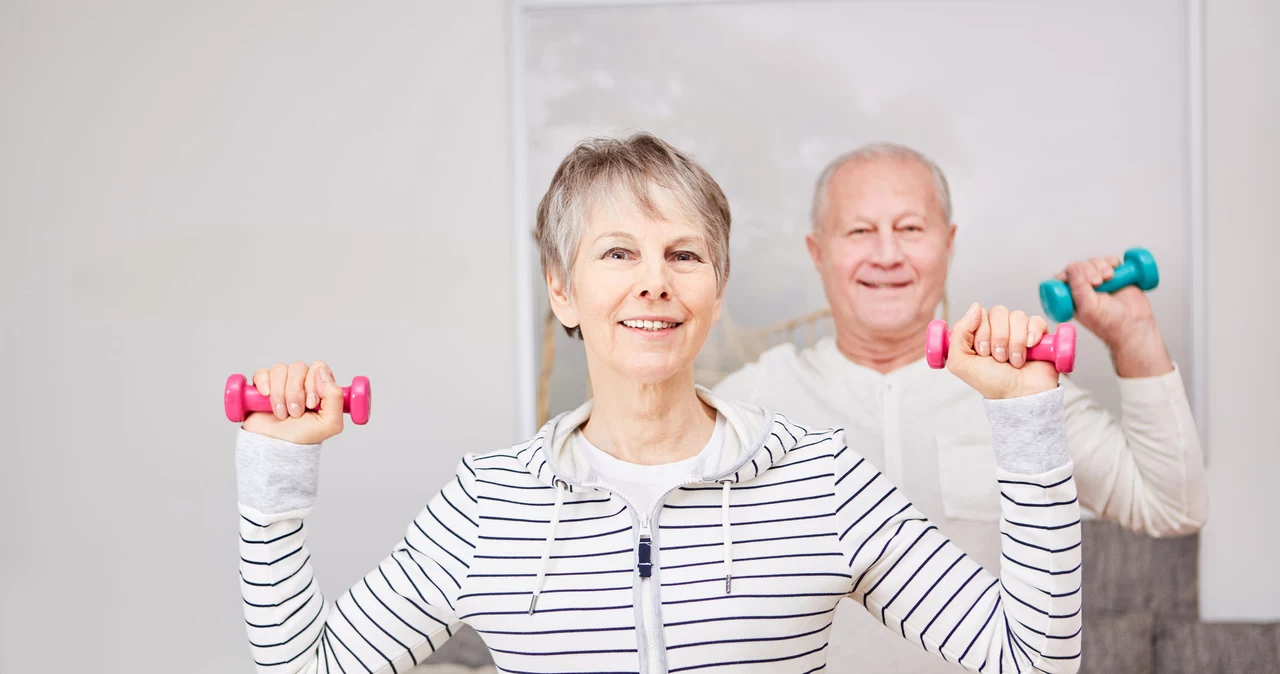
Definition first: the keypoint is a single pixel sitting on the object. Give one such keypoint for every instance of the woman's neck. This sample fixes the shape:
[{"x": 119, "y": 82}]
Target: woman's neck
[
  {"x": 649, "y": 424},
  {"x": 883, "y": 352}
]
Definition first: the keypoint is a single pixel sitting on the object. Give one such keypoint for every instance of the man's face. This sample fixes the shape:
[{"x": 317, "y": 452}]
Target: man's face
[{"x": 882, "y": 246}]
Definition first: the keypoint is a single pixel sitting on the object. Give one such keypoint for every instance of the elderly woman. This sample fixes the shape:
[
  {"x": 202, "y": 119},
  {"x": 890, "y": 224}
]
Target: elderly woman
[{"x": 658, "y": 528}]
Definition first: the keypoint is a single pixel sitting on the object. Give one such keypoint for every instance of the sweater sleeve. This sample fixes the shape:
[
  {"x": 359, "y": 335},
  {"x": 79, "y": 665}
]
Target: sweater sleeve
[
  {"x": 1144, "y": 470},
  {"x": 912, "y": 578},
  {"x": 391, "y": 620}
]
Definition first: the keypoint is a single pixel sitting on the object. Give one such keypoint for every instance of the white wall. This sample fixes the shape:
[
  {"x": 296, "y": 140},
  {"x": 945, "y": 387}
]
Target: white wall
[
  {"x": 193, "y": 189},
  {"x": 1240, "y": 545}
]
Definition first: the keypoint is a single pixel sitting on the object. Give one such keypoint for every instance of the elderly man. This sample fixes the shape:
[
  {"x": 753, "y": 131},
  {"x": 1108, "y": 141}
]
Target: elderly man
[{"x": 882, "y": 239}]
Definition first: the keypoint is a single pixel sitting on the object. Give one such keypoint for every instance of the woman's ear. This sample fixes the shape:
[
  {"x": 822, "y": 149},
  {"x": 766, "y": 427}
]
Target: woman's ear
[{"x": 561, "y": 302}]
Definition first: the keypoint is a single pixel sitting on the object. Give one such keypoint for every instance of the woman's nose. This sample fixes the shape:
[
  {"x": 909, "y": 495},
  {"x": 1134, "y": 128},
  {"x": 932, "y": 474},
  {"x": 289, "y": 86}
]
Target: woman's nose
[{"x": 653, "y": 283}]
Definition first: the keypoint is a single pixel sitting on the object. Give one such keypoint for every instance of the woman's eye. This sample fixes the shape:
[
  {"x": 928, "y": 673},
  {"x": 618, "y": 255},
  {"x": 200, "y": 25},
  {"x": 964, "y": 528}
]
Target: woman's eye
[
  {"x": 686, "y": 256},
  {"x": 617, "y": 254}
]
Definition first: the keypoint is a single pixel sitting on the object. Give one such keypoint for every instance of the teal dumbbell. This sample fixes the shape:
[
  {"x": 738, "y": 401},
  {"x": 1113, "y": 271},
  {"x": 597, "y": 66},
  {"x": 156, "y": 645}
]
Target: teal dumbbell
[{"x": 1138, "y": 268}]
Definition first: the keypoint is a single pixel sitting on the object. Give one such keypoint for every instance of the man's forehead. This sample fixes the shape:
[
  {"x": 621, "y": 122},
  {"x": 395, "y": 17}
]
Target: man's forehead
[
  {"x": 906, "y": 183},
  {"x": 884, "y": 173}
]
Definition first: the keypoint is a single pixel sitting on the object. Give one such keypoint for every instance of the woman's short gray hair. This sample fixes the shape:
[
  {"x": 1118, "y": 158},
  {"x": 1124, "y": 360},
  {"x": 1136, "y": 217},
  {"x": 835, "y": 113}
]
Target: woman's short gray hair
[
  {"x": 593, "y": 174},
  {"x": 941, "y": 191}
]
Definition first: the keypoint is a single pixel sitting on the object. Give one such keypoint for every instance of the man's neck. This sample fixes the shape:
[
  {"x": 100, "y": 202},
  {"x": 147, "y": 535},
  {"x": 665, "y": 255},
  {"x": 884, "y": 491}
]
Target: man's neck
[{"x": 882, "y": 352}]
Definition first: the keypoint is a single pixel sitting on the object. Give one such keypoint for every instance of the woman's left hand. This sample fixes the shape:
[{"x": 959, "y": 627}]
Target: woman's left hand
[{"x": 989, "y": 353}]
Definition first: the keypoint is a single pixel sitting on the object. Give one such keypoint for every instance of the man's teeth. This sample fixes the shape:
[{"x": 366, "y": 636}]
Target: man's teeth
[{"x": 649, "y": 325}]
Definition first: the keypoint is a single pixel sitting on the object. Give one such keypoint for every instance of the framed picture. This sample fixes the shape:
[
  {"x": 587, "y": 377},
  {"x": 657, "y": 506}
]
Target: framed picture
[{"x": 1067, "y": 130}]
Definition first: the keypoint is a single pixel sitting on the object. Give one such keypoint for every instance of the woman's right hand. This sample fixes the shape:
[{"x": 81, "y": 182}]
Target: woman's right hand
[
  {"x": 306, "y": 399},
  {"x": 987, "y": 353}
]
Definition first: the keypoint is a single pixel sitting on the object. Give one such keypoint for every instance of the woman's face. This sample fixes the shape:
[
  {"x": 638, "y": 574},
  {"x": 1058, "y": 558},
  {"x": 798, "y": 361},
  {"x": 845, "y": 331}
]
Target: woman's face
[{"x": 643, "y": 293}]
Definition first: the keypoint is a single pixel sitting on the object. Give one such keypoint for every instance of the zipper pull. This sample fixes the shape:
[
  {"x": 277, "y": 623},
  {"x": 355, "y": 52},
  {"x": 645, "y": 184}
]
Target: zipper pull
[{"x": 644, "y": 554}]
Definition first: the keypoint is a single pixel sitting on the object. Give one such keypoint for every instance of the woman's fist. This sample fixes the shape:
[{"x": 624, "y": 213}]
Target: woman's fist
[
  {"x": 306, "y": 403},
  {"x": 989, "y": 353}
]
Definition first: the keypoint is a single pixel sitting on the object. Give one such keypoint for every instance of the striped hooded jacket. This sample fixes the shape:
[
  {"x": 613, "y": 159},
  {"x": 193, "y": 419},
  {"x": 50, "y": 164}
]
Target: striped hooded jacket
[{"x": 738, "y": 570}]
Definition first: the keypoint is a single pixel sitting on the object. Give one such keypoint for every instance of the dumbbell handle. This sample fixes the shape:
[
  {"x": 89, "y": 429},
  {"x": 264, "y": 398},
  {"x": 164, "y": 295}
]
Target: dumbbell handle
[
  {"x": 239, "y": 398},
  {"x": 1125, "y": 274},
  {"x": 1057, "y": 348},
  {"x": 1138, "y": 269}
]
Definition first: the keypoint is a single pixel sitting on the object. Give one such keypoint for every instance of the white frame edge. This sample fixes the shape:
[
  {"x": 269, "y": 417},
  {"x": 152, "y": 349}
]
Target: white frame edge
[
  {"x": 1196, "y": 214},
  {"x": 570, "y": 4},
  {"x": 526, "y": 345},
  {"x": 526, "y": 329}
]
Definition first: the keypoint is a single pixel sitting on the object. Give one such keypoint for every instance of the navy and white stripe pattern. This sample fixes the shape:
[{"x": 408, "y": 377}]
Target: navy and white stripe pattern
[{"x": 811, "y": 523}]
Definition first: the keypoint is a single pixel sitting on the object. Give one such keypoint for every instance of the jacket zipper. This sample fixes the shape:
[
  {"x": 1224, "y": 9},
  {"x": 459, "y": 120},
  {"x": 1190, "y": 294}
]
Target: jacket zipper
[
  {"x": 651, "y": 614},
  {"x": 650, "y": 611}
]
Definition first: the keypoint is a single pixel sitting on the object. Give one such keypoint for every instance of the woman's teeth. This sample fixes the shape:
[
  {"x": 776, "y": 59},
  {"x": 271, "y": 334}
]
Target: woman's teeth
[{"x": 649, "y": 325}]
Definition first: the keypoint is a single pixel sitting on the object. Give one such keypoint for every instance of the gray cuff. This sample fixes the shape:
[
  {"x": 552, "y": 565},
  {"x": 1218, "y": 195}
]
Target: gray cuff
[
  {"x": 1029, "y": 433},
  {"x": 276, "y": 476}
]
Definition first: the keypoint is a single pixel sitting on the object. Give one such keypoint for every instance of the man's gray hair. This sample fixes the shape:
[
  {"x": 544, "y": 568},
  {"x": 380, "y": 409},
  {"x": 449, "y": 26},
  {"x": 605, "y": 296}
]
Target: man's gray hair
[{"x": 941, "y": 191}]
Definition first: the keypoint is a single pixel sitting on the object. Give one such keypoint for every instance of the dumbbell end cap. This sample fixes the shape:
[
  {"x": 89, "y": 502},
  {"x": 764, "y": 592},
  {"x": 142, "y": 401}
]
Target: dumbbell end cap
[
  {"x": 233, "y": 398},
  {"x": 936, "y": 344},
  {"x": 1064, "y": 348},
  {"x": 1145, "y": 264},
  {"x": 1055, "y": 298},
  {"x": 361, "y": 401}
]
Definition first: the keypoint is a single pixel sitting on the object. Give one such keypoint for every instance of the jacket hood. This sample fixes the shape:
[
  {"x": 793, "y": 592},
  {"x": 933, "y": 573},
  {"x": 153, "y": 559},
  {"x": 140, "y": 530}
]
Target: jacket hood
[{"x": 754, "y": 439}]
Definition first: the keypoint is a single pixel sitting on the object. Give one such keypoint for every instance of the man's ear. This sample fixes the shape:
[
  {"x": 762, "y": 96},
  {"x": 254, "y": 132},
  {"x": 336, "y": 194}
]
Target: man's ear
[
  {"x": 561, "y": 302},
  {"x": 815, "y": 249}
]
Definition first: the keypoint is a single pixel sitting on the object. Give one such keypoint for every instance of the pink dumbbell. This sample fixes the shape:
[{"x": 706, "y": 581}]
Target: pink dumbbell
[
  {"x": 1059, "y": 348},
  {"x": 240, "y": 398}
]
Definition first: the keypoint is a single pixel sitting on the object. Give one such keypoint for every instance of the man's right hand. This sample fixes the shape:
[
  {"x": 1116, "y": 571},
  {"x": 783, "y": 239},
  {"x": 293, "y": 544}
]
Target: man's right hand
[{"x": 306, "y": 399}]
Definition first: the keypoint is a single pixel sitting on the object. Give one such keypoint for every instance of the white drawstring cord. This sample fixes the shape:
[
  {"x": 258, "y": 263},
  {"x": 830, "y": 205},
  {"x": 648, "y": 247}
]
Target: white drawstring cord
[
  {"x": 546, "y": 551},
  {"x": 728, "y": 541}
]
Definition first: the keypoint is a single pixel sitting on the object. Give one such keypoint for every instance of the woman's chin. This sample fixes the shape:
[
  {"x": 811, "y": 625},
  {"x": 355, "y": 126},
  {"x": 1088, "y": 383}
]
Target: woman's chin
[{"x": 647, "y": 370}]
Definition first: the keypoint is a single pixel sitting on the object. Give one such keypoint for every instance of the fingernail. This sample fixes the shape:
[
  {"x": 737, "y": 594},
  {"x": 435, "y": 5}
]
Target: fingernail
[
  {"x": 1016, "y": 360},
  {"x": 1031, "y": 341},
  {"x": 294, "y": 409},
  {"x": 280, "y": 410},
  {"x": 311, "y": 401},
  {"x": 324, "y": 375},
  {"x": 982, "y": 347},
  {"x": 999, "y": 351}
]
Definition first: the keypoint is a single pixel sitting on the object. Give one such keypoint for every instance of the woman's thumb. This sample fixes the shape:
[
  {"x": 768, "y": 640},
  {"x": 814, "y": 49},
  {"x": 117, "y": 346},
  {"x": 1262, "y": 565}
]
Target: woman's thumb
[
  {"x": 962, "y": 333},
  {"x": 331, "y": 402},
  {"x": 971, "y": 320}
]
